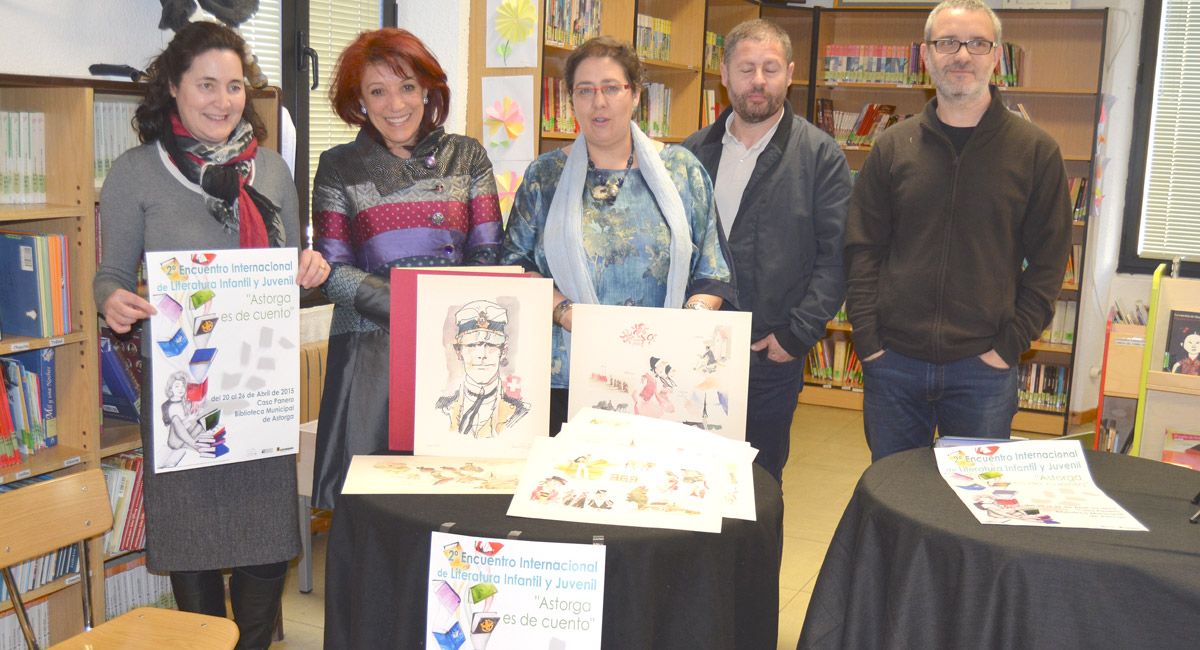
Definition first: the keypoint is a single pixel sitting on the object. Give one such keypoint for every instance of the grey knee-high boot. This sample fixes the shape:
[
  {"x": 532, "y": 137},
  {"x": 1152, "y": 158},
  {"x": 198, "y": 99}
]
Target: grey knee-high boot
[
  {"x": 255, "y": 593},
  {"x": 200, "y": 592}
]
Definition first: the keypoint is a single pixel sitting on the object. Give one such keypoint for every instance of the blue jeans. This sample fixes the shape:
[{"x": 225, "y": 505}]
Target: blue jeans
[
  {"x": 905, "y": 399},
  {"x": 770, "y": 404}
]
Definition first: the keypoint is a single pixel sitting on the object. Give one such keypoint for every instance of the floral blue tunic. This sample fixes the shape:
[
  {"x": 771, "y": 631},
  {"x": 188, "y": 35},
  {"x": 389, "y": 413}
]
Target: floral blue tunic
[{"x": 628, "y": 243}]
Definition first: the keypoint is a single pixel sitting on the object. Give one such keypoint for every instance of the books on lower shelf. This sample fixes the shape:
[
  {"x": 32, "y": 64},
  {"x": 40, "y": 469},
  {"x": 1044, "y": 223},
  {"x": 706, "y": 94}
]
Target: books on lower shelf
[
  {"x": 29, "y": 413},
  {"x": 11, "y": 637},
  {"x": 653, "y": 113},
  {"x": 557, "y": 114},
  {"x": 1042, "y": 387},
  {"x": 123, "y": 477},
  {"x": 712, "y": 107},
  {"x": 22, "y": 157},
  {"x": 1181, "y": 448},
  {"x": 121, "y": 374},
  {"x": 35, "y": 292},
  {"x": 1062, "y": 326},
  {"x": 129, "y": 585},
  {"x": 855, "y": 129},
  {"x": 31, "y": 574},
  {"x": 834, "y": 362}
]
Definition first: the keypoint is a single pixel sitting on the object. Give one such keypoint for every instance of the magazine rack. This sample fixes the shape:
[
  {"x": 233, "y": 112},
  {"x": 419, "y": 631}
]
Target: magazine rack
[{"x": 1168, "y": 402}]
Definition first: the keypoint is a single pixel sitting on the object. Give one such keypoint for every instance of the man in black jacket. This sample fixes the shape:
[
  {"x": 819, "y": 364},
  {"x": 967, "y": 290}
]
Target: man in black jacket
[
  {"x": 781, "y": 187},
  {"x": 956, "y": 245}
]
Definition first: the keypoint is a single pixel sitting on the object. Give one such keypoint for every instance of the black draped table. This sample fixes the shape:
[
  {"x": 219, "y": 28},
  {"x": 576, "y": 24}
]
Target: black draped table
[
  {"x": 662, "y": 588},
  {"x": 910, "y": 567}
]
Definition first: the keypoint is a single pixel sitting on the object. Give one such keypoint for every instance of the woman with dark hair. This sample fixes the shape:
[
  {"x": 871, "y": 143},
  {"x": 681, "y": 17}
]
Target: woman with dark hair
[
  {"x": 403, "y": 193},
  {"x": 616, "y": 218},
  {"x": 200, "y": 180}
]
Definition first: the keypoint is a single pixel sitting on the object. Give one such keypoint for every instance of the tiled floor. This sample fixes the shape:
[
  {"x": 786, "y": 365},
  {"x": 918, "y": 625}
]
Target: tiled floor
[{"x": 828, "y": 455}]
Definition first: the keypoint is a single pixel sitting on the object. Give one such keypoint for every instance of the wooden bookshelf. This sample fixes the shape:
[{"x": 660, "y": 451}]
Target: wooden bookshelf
[
  {"x": 1060, "y": 89},
  {"x": 69, "y": 211}
]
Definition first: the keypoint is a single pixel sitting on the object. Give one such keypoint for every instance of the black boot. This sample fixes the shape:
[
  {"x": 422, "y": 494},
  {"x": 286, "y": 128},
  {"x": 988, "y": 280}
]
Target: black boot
[
  {"x": 201, "y": 592},
  {"x": 255, "y": 593}
]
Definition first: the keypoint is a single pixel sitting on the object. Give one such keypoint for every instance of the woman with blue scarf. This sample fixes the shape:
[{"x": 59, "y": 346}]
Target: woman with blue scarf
[{"x": 616, "y": 218}]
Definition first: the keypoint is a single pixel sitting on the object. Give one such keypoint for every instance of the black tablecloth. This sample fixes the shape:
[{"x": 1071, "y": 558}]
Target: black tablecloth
[
  {"x": 910, "y": 567},
  {"x": 662, "y": 588}
]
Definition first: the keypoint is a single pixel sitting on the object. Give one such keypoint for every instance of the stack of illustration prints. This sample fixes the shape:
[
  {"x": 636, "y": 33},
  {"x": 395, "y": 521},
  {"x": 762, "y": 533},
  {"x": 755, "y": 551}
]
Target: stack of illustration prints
[
  {"x": 734, "y": 457},
  {"x": 651, "y": 487},
  {"x": 684, "y": 365},
  {"x": 480, "y": 362},
  {"x": 432, "y": 475},
  {"x": 224, "y": 355}
]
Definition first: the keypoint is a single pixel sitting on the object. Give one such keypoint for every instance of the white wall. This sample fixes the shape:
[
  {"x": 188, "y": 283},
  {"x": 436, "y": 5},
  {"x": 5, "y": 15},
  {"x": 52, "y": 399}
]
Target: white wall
[
  {"x": 61, "y": 38},
  {"x": 444, "y": 25},
  {"x": 1104, "y": 231}
]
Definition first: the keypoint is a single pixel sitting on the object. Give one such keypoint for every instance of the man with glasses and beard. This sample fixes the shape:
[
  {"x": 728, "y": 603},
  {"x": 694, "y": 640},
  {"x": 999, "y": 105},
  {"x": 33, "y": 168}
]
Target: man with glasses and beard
[
  {"x": 956, "y": 244},
  {"x": 781, "y": 187}
]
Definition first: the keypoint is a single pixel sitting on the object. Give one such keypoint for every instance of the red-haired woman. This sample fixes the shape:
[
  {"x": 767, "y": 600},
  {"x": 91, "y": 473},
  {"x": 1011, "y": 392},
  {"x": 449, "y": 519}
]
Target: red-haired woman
[{"x": 403, "y": 193}]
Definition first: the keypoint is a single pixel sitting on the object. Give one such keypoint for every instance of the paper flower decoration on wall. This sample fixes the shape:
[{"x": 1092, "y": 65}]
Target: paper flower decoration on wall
[
  {"x": 506, "y": 189},
  {"x": 504, "y": 121},
  {"x": 516, "y": 20}
]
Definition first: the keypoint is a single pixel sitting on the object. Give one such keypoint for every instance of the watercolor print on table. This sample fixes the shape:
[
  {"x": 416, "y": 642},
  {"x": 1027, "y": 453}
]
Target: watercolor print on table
[
  {"x": 512, "y": 33},
  {"x": 432, "y": 475},
  {"x": 683, "y": 365},
  {"x": 482, "y": 365},
  {"x": 649, "y": 487}
]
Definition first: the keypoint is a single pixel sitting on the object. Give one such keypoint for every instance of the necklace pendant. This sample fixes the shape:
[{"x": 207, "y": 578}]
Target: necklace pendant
[{"x": 600, "y": 193}]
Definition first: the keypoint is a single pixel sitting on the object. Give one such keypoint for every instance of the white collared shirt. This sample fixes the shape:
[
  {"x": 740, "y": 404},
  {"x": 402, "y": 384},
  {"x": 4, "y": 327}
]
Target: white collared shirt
[{"x": 733, "y": 174}]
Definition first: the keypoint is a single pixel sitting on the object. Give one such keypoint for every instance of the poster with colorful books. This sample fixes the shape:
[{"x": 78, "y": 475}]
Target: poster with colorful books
[
  {"x": 224, "y": 356},
  {"x": 509, "y": 594},
  {"x": 1043, "y": 483},
  {"x": 683, "y": 365}
]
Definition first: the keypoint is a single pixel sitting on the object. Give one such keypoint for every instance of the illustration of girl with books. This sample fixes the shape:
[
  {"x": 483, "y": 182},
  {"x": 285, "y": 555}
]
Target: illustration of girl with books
[
  {"x": 180, "y": 416},
  {"x": 1189, "y": 363}
]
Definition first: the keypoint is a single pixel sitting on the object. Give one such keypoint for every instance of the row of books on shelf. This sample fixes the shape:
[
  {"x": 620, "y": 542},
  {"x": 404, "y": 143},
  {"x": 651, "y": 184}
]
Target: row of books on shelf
[
  {"x": 653, "y": 113},
  {"x": 834, "y": 361},
  {"x": 114, "y": 134},
  {"x": 714, "y": 51},
  {"x": 1077, "y": 189},
  {"x": 903, "y": 65},
  {"x": 29, "y": 414},
  {"x": 1062, "y": 327},
  {"x": 123, "y": 478},
  {"x": 121, "y": 374},
  {"x": 712, "y": 106},
  {"x": 557, "y": 114},
  {"x": 570, "y": 23},
  {"x": 856, "y": 129},
  {"x": 11, "y": 637},
  {"x": 39, "y": 571},
  {"x": 1071, "y": 275},
  {"x": 35, "y": 288},
  {"x": 129, "y": 585},
  {"x": 652, "y": 37},
  {"x": 22, "y": 157},
  {"x": 1042, "y": 387}
]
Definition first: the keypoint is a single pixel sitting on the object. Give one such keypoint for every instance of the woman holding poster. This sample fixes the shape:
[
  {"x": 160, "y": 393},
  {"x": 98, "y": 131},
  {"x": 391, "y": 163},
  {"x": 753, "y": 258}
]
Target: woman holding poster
[
  {"x": 201, "y": 181},
  {"x": 616, "y": 218},
  {"x": 403, "y": 193}
]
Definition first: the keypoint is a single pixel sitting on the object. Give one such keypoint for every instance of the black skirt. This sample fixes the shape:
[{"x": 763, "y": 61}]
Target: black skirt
[{"x": 354, "y": 409}]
